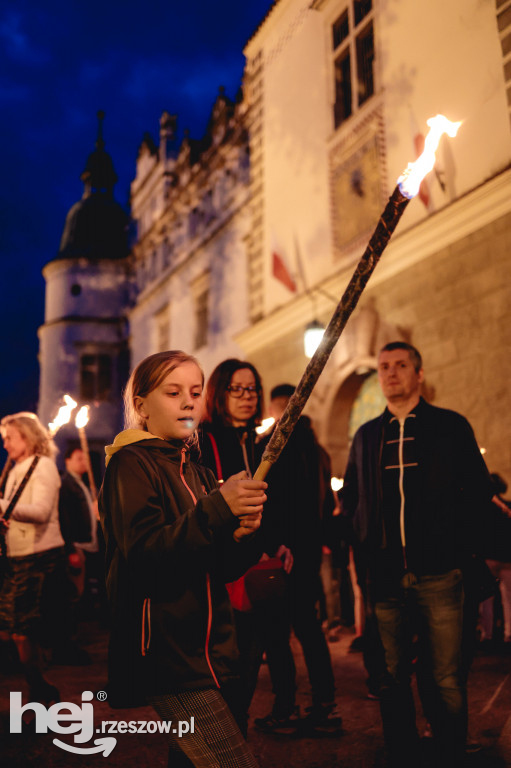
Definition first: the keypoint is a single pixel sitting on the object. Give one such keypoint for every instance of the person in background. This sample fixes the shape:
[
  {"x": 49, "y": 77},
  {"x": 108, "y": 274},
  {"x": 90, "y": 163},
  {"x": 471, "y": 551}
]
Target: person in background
[
  {"x": 299, "y": 498},
  {"x": 35, "y": 554},
  {"x": 498, "y": 554},
  {"x": 173, "y": 538},
  {"x": 228, "y": 443},
  {"x": 79, "y": 516},
  {"x": 415, "y": 485}
]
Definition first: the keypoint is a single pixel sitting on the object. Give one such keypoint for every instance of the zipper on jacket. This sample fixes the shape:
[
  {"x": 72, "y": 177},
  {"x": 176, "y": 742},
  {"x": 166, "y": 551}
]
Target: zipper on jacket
[
  {"x": 401, "y": 487},
  {"x": 208, "y": 580},
  {"x": 243, "y": 442},
  {"x": 402, "y": 490}
]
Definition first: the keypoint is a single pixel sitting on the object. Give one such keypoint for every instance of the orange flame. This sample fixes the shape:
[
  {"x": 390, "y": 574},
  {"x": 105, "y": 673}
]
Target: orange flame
[
  {"x": 82, "y": 417},
  {"x": 63, "y": 416},
  {"x": 410, "y": 180}
]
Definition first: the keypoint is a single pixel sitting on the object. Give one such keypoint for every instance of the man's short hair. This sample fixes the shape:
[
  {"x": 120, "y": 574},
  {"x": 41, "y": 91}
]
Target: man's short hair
[
  {"x": 71, "y": 448},
  {"x": 282, "y": 390},
  {"x": 415, "y": 355}
]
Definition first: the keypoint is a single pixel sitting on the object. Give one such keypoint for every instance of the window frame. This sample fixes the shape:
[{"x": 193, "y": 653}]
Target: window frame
[
  {"x": 348, "y": 49},
  {"x": 93, "y": 369}
]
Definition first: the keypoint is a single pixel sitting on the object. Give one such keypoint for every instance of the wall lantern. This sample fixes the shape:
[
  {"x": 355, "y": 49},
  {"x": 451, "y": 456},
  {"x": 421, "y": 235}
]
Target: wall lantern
[{"x": 312, "y": 337}]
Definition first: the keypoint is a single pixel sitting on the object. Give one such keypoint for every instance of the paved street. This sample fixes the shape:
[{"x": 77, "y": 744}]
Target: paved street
[{"x": 360, "y": 746}]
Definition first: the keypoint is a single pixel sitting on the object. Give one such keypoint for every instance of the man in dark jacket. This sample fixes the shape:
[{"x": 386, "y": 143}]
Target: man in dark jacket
[
  {"x": 78, "y": 526},
  {"x": 414, "y": 483},
  {"x": 298, "y": 495}
]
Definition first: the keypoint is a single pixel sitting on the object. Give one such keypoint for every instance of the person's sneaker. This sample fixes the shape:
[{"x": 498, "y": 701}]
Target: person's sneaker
[
  {"x": 283, "y": 726},
  {"x": 322, "y": 718}
]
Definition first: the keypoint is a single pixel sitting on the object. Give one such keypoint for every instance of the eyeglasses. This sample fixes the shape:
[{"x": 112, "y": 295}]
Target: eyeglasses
[{"x": 236, "y": 390}]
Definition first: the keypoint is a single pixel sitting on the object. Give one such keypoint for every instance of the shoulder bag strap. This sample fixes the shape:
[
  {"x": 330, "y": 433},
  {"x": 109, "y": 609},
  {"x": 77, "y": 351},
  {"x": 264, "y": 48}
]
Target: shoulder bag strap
[
  {"x": 8, "y": 512},
  {"x": 219, "y": 474}
]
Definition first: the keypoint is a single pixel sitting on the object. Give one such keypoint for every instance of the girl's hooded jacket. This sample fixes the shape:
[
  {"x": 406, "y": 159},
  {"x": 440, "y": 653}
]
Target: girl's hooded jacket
[{"x": 169, "y": 552}]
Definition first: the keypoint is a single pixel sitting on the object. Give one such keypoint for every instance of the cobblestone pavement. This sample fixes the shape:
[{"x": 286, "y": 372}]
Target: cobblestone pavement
[{"x": 359, "y": 746}]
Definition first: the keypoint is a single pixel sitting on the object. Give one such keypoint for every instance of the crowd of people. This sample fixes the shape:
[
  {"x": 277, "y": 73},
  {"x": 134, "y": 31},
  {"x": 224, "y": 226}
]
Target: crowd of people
[{"x": 208, "y": 570}]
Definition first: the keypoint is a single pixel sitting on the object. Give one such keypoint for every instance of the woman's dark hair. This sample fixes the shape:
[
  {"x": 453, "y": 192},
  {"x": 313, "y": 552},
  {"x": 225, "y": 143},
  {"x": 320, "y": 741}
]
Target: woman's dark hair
[{"x": 216, "y": 391}]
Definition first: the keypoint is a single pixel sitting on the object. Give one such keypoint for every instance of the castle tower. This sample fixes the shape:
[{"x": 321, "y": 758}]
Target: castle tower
[{"x": 83, "y": 343}]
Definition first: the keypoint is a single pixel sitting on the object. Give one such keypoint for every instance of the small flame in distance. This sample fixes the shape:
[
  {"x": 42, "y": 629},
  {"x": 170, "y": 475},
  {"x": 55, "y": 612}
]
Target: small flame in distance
[{"x": 82, "y": 417}]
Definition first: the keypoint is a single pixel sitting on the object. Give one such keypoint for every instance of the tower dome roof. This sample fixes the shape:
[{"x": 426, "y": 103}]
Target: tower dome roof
[{"x": 97, "y": 226}]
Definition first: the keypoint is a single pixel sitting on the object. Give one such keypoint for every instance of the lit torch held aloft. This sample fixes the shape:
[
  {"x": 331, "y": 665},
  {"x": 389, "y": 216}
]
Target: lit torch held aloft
[
  {"x": 407, "y": 187},
  {"x": 63, "y": 416},
  {"x": 81, "y": 421}
]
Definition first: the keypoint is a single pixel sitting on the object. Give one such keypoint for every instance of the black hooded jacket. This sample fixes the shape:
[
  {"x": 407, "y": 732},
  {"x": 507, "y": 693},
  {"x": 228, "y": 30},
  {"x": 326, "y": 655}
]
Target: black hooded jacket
[{"x": 169, "y": 551}]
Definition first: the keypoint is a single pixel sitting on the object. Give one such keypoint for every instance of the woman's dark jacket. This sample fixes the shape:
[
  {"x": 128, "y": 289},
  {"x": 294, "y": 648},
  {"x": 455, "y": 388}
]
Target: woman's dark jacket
[
  {"x": 228, "y": 443},
  {"x": 169, "y": 551},
  {"x": 224, "y": 456}
]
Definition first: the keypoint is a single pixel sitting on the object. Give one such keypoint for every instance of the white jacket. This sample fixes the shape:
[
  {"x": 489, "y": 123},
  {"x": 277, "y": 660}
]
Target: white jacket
[{"x": 34, "y": 525}]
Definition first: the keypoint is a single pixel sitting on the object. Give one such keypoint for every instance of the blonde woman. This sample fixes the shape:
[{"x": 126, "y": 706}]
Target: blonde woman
[{"x": 32, "y": 546}]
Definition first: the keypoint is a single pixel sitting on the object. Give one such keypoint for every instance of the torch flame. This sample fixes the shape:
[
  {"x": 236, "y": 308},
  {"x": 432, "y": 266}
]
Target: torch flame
[
  {"x": 410, "y": 180},
  {"x": 82, "y": 417},
  {"x": 265, "y": 424},
  {"x": 62, "y": 416}
]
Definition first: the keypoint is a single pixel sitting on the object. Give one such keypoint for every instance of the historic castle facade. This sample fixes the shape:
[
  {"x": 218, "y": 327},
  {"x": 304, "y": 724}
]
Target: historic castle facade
[{"x": 246, "y": 236}]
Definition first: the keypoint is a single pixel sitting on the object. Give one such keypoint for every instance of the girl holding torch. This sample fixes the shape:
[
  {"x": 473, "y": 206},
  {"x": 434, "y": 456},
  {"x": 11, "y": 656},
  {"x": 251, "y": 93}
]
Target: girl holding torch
[{"x": 173, "y": 539}]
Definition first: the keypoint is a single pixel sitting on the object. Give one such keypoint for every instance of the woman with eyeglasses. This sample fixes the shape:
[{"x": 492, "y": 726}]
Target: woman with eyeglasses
[
  {"x": 234, "y": 403},
  {"x": 228, "y": 443}
]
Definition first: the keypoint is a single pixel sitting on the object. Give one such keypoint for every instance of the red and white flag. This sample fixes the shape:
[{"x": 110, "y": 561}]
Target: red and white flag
[{"x": 282, "y": 273}]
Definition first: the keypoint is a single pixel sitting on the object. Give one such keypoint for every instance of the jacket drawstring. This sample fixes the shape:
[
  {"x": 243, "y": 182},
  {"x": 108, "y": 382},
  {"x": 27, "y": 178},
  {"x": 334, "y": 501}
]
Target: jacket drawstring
[{"x": 146, "y": 620}]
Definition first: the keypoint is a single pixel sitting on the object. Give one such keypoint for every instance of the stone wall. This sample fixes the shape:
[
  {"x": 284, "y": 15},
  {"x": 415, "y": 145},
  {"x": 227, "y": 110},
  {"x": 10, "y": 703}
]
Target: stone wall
[{"x": 456, "y": 308}]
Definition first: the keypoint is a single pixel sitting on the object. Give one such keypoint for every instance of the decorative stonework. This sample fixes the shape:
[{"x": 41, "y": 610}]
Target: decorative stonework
[
  {"x": 357, "y": 173},
  {"x": 254, "y": 83}
]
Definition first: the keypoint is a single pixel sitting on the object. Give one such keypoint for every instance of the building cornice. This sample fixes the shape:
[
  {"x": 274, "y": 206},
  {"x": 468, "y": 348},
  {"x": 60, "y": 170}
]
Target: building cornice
[
  {"x": 85, "y": 265},
  {"x": 82, "y": 320},
  {"x": 476, "y": 209}
]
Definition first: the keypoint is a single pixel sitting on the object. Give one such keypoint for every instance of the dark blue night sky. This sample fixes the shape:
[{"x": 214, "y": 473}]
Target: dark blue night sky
[{"x": 60, "y": 62}]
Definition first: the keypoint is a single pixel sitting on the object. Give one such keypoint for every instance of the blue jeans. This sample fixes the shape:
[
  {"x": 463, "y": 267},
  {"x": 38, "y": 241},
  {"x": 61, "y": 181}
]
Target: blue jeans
[{"x": 433, "y": 610}]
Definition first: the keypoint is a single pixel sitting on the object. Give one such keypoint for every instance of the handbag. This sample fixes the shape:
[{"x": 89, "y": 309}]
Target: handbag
[{"x": 264, "y": 582}]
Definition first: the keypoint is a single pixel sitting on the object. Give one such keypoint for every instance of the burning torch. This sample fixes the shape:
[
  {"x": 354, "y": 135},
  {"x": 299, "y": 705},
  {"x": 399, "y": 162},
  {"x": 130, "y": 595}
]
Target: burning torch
[
  {"x": 407, "y": 187},
  {"x": 81, "y": 421},
  {"x": 63, "y": 416}
]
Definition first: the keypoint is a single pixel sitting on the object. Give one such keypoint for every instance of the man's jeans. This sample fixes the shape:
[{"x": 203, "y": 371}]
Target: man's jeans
[{"x": 431, "y": 609}]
